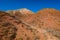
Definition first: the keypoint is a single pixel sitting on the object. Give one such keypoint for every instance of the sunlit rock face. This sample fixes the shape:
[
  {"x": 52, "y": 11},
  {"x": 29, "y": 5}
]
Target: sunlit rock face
[
  {"x": 22, "y": 11},
  {"x": 23, "y": 24},
  {"x": 50, "y": 18}
]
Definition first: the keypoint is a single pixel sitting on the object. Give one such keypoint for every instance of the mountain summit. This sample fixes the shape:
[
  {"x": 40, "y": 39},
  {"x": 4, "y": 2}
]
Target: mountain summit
[
  {"x": 25, "y": 11},
  {"x": 22, "y": 11}
]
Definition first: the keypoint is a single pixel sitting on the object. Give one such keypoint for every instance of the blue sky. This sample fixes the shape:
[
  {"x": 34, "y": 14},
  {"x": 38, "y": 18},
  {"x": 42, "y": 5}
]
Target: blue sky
[{"x": 33, "y": 5}]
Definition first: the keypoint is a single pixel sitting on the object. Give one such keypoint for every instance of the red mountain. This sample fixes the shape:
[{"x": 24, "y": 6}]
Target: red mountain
[{"x": 25, "y": 25}]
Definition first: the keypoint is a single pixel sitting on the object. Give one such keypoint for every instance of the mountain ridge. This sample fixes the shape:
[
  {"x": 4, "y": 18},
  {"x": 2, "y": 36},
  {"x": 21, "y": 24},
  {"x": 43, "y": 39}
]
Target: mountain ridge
[{"x": 43, "y": 25}]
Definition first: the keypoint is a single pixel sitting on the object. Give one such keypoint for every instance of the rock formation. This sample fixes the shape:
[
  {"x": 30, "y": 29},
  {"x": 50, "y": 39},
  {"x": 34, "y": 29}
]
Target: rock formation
[
  {"x": 7, "y": 30},
  {"x": 23, "y": 24}
]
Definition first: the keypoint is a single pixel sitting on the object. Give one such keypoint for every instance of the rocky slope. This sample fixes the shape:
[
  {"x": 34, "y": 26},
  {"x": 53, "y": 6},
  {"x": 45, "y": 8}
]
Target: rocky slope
[
  {"x": 25, "y": 25},
  {"x": 7, "y": 29}
]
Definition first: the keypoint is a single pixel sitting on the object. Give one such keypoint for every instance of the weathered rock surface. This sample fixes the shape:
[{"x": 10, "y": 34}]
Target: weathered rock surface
[
  {"x": 7, "y": 30},
  {"x": 25, "y": 25}
]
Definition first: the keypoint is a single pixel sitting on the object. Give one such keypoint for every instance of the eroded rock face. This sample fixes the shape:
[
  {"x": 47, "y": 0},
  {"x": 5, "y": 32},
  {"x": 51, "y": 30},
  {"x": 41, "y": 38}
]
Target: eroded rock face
[{"x": 7, "y": 30}]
